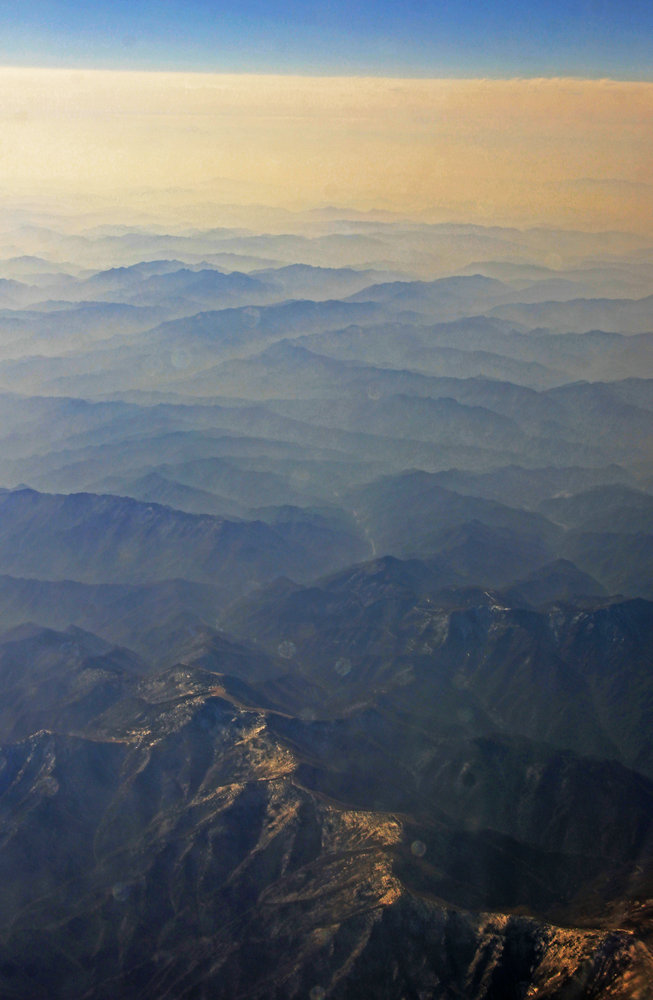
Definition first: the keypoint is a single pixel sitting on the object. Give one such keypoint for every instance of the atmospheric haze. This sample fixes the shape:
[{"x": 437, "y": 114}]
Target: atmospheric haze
[{"x": 555, "y": 152}]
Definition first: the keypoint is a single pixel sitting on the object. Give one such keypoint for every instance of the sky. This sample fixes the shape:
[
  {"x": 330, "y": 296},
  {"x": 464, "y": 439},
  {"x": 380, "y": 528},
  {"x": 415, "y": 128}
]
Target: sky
[
  {"x": 432, "y": 38},
  {"x": 491, "y": 112}
]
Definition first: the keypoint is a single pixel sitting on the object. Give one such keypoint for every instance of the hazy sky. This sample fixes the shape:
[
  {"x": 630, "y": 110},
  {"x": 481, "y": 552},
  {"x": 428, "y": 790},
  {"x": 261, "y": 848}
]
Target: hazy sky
[
  {"x": 468, "y": 110},
  {"x": 519, "y": 151}
]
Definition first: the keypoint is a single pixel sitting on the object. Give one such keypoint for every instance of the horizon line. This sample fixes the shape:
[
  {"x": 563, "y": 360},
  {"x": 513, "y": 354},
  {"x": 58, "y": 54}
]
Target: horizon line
[{"x": 421, "y": 78}]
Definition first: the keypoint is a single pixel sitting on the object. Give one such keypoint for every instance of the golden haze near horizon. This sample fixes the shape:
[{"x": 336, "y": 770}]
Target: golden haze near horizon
[{"x": 559, "y": 152}]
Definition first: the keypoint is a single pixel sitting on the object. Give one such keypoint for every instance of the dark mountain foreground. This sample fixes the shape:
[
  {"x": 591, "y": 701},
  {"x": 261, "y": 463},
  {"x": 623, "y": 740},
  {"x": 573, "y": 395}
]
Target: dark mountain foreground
[{"x": 394, "y": 792}]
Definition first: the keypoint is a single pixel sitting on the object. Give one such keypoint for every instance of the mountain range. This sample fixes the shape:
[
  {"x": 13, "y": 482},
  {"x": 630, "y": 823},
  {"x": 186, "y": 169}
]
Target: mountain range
[{"x": 326, "y": 612}]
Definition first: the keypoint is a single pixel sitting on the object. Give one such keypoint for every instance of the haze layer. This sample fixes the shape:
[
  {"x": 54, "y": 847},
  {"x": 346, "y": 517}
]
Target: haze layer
[{"x": 554, "y": 152}]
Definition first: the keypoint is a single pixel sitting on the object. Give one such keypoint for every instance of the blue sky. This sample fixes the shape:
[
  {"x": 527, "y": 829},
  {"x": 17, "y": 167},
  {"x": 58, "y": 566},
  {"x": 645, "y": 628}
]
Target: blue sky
[{"x": 456, "y": 38}]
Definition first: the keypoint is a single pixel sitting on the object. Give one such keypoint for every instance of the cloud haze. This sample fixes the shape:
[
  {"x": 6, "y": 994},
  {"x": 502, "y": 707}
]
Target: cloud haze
[{"x": 556, "y": 151}]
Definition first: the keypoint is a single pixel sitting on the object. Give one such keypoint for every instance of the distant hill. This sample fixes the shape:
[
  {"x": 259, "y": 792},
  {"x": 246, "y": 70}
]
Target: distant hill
[{"x": 109, "y": 539}]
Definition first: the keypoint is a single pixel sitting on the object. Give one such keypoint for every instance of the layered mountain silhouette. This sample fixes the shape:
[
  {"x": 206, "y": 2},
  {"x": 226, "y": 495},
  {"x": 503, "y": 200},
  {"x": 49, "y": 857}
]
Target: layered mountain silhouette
[{"x": 326, "y": 611}]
